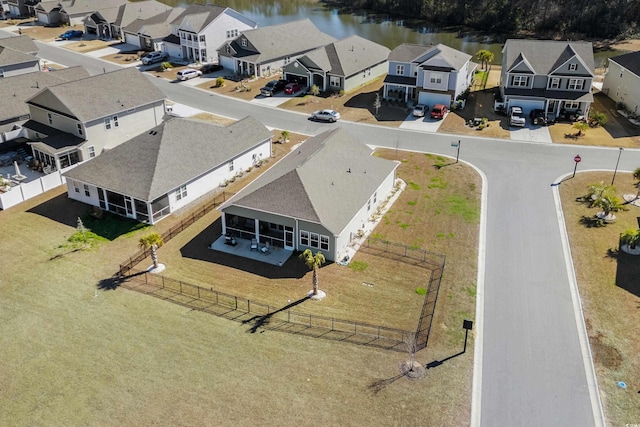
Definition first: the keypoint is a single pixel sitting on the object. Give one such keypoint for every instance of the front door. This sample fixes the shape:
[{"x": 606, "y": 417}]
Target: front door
[{"x": 288, "y": 238}]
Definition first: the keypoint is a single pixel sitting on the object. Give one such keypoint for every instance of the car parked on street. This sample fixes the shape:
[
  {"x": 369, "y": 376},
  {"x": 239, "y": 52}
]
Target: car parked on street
[
  {"x": 419, "y": 110},
  {"x": 516, "y": 117},
  {"x": 71, "y": 34},
  {"x": 188, "y": 73},
  {"x": 153, "y": 57},
  {"x": 326, "y": 115},
  {"x": 273, "y": 87},
  {"x": 438, "y": 112}
]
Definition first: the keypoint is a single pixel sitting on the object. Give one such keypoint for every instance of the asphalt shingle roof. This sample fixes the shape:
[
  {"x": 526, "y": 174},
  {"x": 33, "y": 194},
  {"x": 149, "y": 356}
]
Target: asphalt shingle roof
[
  {"x": 327, "y": 180},
  {"x": 22, "y": 43},
  {"x": 407, "y": 52},
  {"x": 278, "y": 41},
  {"x": 146, "y": 9},
  {"x": 630, "y": 61},
  {"x": 10, "y": 56},
  {"x": 546, "y": 55},
  {"x": 160, "y": 160},
  {"x": 99, "y": 96}
]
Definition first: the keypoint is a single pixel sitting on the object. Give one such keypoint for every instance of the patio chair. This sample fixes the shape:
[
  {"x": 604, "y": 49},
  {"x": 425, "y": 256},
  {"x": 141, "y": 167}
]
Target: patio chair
[
  {"x": 254, "y": 245},
  {"x": 266, "y": 249}
]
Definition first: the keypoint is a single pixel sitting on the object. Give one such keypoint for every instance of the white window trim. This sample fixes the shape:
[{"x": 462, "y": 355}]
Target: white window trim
[
  {"x": 573, "y": 66},
  {"x": 435, "y": 78},
  {"x": 314, "y": 240},
  {"x": 554, "y": 83},
  {"x": 91, "y": 150},
  {"x": 575, "y": 84},
  {"x": 334, "y": 81},
  {"x": 520, "y": 81},
  {"x": 181, "y": 192},
  {"x": 571, "y": 105},
  {"x": 399, "y": 70}
]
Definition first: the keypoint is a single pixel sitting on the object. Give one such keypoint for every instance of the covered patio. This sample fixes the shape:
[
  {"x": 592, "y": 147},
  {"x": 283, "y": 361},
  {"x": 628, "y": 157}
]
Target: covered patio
[{"x": 274, "y": 255}]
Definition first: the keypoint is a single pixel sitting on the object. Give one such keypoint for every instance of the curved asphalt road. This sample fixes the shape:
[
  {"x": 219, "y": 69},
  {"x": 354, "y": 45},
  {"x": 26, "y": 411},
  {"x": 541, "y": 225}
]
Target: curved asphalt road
[{"x": 532, "y": 369}]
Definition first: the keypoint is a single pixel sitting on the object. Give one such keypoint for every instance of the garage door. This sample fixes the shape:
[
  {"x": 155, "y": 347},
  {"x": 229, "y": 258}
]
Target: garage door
[
  {"x": 228, "y": 63},
  {"x": 43, "y": 18},
  {"x": 132, "y": 39},
  {"x": 431, "y": 99},
  {"x": 526, "y": 104}
]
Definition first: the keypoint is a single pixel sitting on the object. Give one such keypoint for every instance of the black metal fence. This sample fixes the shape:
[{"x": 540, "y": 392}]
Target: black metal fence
[{"x": 136, "y": 258}]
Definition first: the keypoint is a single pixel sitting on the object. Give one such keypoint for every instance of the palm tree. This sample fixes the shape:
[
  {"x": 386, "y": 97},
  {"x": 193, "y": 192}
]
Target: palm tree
[
  {"x": 596, "y": 190},
  {"x": 581, "y": 127},
  {"x": 636, "y": 176},
  {"x": 152, "y": 241},
  {"x": 609, "y": 202},
  {"x": 631, "y": 238},
  {"x": 313, "y": 262},
  {"x": 485, "y": 57}
]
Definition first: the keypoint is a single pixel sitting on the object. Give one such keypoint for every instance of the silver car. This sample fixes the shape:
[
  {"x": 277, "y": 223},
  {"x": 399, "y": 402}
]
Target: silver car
[{"x": 326, "y": 115}]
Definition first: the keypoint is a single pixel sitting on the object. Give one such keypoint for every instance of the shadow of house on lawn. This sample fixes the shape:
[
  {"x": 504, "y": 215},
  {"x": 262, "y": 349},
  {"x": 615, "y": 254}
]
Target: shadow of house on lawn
[
  {"x": 628, "y": 272},
  {"x": 198, "y": 249},
  {"x": 61, "y": 209}
]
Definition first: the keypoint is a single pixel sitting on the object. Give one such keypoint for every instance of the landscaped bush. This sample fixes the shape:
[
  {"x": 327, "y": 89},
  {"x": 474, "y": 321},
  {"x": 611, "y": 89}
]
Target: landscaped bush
[
  {"x": 315, "y": 90},
  {"x": 597, "y": 118},
  {"x": 220, "y": 82}
]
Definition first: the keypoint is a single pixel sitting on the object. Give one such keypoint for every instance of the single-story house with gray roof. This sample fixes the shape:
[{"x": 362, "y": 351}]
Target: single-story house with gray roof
[
  {"x": 343, "y": 65},
  {"x": 264, "y": 51},
  {"x": 315, "y": 198},
  {"x": 161, "y": 170}
]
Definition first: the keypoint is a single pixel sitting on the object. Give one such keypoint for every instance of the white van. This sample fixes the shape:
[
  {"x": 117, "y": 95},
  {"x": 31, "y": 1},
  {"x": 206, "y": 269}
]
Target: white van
[{"x": 188, "y": 73}]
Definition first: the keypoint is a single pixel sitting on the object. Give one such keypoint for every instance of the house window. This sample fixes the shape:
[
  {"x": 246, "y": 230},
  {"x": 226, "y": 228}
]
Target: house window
[
  {"x": 314, "y": 240},
  {"x": 576, "y": 84},
  {"x": 334, "y": 81},
  {"x": 369, "y": 205},
  {"x": 555, "y": 83},
  {"x": 244, "y": 42},
  {"x": 76, "y": 187},
  {"x": 232, "y": 33},
  {"x": 621, "y": 72},
  {"x": 86, "y": 190},
  {"x": 182, "y": 192},
  {"x": 92, "y": 151},
  {"x": 50, "y": 118},
  {"x": 80, "y": 132},
  {"x": 521, "y": 80},
  {"x": 202, "y": 39},
  {"x": 400, "y": 70},
  {"x": 324, "y": 243},
  {"x": 375, "y": 197},
  {"x": 231, "y": 166},
  {"x": 228, "y": 49},
  {"x": 304, "y": 238},
  {"x": 183, "y": 36},
  {"x": 115, "y": 121},
  {"x": 436, "y": 78},
  {"x": 107, "y": 123},
  {"x": 573, "y": 67},
  {"x": 287, "y": 59},
  {"x": 1, "y": 73},
  {"x": 571, "y": 105}
]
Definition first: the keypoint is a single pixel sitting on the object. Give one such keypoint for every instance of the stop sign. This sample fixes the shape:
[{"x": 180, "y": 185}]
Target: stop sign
[{"x": 577, "y": 158}]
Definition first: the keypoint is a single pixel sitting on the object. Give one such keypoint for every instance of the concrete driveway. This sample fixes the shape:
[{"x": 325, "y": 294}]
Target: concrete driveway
[
  {"x": 424, "y": 124},
  {"x": 271, "y": 101},
  {"x": 531, "y": 133}
]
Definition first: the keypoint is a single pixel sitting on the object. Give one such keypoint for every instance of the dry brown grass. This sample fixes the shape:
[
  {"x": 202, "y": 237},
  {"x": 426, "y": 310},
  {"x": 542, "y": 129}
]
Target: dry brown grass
[{"x": 609, "y": 283}]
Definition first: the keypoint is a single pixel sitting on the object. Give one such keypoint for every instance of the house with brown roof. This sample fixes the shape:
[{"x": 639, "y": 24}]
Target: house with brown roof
[
  {"x": 343, "y": 65},
  {"x": 263, "y": 51},
  {"x": 169, "y": 166},
  {"x": 74, "y": 121},
  {"x": 317, "y": 197}
]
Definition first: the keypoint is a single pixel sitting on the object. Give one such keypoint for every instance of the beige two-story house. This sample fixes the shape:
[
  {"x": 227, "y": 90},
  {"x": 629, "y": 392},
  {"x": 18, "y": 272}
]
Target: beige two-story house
[
  {"x": 553, "y": 76},
  {"x": 75, "y": 121},
  {"x": 622, "y": 81}
]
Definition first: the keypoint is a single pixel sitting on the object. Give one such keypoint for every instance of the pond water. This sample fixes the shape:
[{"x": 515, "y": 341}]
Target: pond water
[{"x": 380, "y": 28}]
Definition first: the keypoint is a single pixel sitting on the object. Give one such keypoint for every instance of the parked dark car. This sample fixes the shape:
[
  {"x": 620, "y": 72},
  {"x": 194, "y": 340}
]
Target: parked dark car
[
  {"x": 273, "y": 87},
  {"x": 538, "y": 117},
  {"x": 210, "y": 68},
  {"x": 71, "y": 34}
]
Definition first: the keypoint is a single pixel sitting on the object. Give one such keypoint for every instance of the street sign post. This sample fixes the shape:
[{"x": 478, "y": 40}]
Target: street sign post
[
  {"x": 576, "y": 159},
  {"x": 456, "y": 145}
]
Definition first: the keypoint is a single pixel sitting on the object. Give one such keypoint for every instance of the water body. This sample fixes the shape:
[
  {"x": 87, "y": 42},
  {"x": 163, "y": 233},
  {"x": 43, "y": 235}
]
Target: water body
[{"x": 384, "y": 29}]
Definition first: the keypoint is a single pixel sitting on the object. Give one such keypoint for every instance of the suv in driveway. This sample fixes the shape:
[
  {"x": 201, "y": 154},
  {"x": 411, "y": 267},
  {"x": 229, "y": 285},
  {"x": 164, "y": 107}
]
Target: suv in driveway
[
  {"x": 70, "y": 34},
  {"x": 152, "y": 57},
  {"x": 516, "y": 117},
  {"x": 273, "y": 87},
  {"x": 438, "y": 111}
]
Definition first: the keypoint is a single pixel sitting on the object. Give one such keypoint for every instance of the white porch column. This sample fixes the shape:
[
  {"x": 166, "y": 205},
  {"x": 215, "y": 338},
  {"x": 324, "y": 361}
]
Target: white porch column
[
  {"x": 257, "y": 229},
  {"x": 224, "y": 223}
]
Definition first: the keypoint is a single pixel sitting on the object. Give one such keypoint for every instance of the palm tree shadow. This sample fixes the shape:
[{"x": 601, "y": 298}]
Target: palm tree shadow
[
  {"x": 112, "y": 283},
  {"x": 263, "y": 320},
  {"x": 592, "y": 221},
  {"x": 379, "y": 385}
]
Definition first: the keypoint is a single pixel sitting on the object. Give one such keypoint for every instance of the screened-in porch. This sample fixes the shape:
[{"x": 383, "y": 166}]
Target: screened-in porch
[
  {"x": 133, "y": 208},
  {"x": 277, "y": 235}
]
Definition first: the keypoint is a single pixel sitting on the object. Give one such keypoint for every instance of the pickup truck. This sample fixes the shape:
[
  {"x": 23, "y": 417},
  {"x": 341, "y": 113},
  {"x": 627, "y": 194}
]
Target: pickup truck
[{"x": 516, "y": 117}]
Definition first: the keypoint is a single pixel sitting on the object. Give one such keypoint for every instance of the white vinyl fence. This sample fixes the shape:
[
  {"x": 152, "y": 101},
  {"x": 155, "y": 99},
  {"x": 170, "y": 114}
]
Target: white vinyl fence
[{"x": 26, "y": 191}]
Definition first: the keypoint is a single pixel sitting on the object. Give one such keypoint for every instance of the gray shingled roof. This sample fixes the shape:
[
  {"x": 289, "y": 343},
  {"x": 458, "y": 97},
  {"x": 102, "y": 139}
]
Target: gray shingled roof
[
  {"x": 443, "y": 57},
  {"x": 10, "y": 56},
  {"x": 198, "y": 16},
  {"x": 407, "y": 52},
  {"x": 17, "y": 89},
  {"x": 347, "y": 56},
  {"x": 22, "y": 43},
  {"x": 630, "y": 61},
  {"x": 84, "y": 7},
  {"x": 100, "y": 95},
  {"x": 160, "y": 160},
  {"x": 277, "y": 41},
  {"x": 157, "y": 26},
  {"x": 146, "y": 9},
  {"x": 327, "y": 180},
  {"x": 546, "y": 55}
]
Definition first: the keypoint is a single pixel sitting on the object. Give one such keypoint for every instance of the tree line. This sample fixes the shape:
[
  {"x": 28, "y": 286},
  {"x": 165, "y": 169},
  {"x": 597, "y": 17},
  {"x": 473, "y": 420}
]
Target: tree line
[{"x": 591, "y": 18}]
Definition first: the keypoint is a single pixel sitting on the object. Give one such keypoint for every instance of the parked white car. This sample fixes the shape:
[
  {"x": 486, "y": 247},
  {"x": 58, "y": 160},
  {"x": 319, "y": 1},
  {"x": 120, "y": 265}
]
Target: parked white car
[
  {"x": 516, "y": 117},
  {"x": 419, "y": 110},
  {"x": 326, "y": 115},
  {"x": 188, "y": 73},
  {"x": 153, "y": 57}
]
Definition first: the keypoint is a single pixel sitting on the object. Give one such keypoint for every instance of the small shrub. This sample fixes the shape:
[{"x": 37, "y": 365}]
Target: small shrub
[
  {"x": 597, "y": 118},
  {"x": 220, "y": 82},
  {"x": 315, "y": 90},
  {"x": 421, "y": 291},
  {"x": 165, "y": 66}
]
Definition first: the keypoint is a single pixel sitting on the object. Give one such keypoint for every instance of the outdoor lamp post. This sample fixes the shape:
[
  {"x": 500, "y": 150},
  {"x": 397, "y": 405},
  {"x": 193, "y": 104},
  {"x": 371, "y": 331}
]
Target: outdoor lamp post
[
  {"x": 617, "y": 163},
  {"x": 576, "y": 159}
]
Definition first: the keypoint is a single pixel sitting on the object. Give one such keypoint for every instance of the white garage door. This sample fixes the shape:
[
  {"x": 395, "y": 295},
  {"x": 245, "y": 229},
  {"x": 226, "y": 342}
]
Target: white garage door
[
  {"x": 227, "y": 62},
  {"x": 43, "y": 17},
  {"x": 431, "y": 99},
  {"x": 132, "y": 39},
  {"x": 526, "y": 105}
]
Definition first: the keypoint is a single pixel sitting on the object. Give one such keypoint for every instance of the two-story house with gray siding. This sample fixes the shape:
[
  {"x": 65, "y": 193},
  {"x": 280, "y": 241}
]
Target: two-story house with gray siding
[
  {"x": 75, "y": 121},
  {"x": 161, "y": 170},
  {"x": 622, "y": 80},
  {"x": 427, "y": 75},
  {"x": 554, "y": 76},
  {"x": 315, "y": 198},
  {"x": 264, "y": 51},
  {"x": 343, "y": 65}
]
